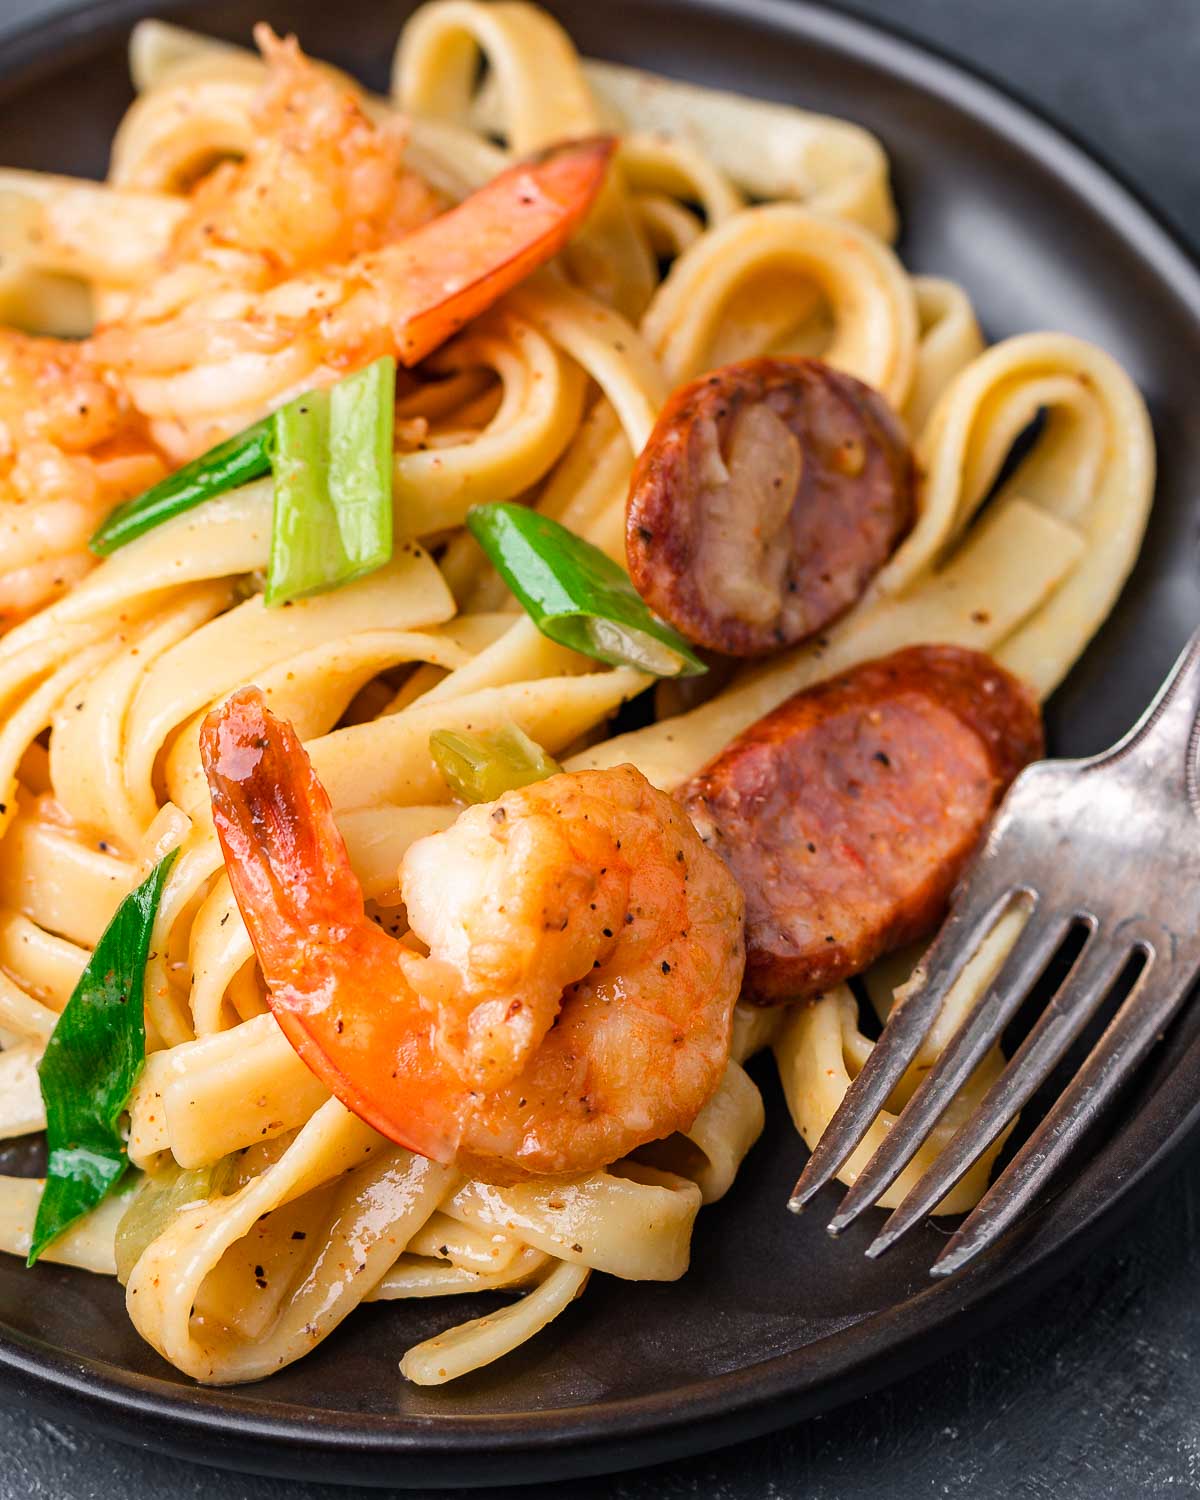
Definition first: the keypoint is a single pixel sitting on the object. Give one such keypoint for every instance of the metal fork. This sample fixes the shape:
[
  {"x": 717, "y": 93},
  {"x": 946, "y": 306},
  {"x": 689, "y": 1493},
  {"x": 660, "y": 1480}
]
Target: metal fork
[{"x": 1110, "y": 845}]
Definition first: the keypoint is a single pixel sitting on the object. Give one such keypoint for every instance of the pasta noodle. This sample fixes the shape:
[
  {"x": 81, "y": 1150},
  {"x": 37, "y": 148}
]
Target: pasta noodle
[{"x": 774, "y": 226}]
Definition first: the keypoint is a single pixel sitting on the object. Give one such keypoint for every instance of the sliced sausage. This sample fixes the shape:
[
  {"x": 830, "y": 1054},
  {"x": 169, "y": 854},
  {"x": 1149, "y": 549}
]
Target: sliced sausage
[
  {"x": 768, "y": 495},
  {"x": 849, "y": 812}
]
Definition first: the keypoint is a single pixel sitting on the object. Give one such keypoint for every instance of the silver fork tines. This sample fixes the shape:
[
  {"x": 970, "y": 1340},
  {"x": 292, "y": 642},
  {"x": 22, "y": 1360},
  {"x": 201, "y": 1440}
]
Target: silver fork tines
[{"x": 1111, "y": 844}]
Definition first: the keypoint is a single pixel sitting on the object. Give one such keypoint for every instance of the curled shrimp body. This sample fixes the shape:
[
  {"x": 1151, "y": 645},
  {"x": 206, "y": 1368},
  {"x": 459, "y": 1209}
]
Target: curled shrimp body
[
  {"x": 585, "y": 954},
  {"x": 318, "y": 253},
  {"x": 320, "y": 184},
  {"x": 70, "y": 449}
]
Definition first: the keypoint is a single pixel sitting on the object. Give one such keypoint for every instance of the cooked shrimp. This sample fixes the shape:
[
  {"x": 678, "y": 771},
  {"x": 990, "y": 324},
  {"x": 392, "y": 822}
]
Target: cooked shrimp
[
  {"x": 318, "y": 253},
  {"x": 585, "y": 954},
  {"x": 309, "y": 258},
  {"x": 321, "y": 183},
  {"x": 70, "y": 449}
]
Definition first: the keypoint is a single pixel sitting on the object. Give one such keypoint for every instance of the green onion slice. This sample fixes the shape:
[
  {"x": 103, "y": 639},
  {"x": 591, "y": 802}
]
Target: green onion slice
[
  {"x": 478, "y": 767},
  {"x": 577, "y": 595},
  {"x": 243, "y": 457},
  {"x": 91, "y": 1064},
  {"x": 332, "y": 456}
]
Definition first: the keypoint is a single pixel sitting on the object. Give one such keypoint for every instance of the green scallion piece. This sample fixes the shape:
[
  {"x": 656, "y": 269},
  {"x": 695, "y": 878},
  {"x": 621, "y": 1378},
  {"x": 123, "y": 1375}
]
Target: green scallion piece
[
  {"x": 478, "y": 767},
  {"x": 332, "y": 457},
  {"x": 362, "y": 417},
  {"x": 91, "y": 1064},
  {"x": 306, "y": 550},
  {"x": 576, "y": 594},
  {"x": 240, "y": 459}
]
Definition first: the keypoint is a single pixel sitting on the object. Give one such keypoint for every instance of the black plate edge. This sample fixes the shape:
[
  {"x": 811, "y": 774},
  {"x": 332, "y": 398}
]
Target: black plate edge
[{"x": 656, "y": 1426}]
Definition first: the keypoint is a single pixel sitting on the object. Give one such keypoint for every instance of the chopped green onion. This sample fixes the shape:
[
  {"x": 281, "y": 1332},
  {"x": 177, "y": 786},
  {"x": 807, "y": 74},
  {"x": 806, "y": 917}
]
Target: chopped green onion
[
  {"x": 91, "y": 1064},
  {"x": 334, "y": 451},
  {"x": 361, "y": 421},
  {"x": 332, "y": 456},
  {"x": 158, "y": 1199},
  {"x": 243, "y": 457},
  {"x": 577, "y": 595},
  {"x": 306, "y": 549},
  {"x": 478, "y": 767}
]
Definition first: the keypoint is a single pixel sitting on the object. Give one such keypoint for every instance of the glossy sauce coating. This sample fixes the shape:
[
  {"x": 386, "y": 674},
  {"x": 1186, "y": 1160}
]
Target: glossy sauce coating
[
  {"x": 848, "y": 814},
  {"x": 768, "y": 495}
]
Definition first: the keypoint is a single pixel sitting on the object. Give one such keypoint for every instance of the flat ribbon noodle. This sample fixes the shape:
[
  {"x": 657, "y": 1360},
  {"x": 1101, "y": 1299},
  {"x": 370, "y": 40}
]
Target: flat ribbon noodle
[{"x": 775, "y": 223}]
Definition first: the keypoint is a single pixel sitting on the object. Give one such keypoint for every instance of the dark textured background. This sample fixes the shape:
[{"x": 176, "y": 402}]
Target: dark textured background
[{"x": 1095, "y": 1389}]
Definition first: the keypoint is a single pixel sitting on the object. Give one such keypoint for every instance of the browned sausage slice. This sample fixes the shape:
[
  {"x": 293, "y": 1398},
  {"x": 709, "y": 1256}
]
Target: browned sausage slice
[
  {"x": 768, "y": 495},
  {"x": 849, "y": 812}
]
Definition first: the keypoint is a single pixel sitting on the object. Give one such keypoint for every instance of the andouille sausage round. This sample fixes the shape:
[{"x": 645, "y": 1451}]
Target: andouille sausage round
[
  {"x": 848, "y": 813},
  {"x": 767, "y": 496}
]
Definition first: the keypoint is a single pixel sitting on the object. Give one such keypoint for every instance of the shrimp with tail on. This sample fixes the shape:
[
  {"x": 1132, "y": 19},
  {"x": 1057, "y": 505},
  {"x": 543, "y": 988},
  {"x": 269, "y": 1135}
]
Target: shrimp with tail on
[{"x": 580, "y": 954}]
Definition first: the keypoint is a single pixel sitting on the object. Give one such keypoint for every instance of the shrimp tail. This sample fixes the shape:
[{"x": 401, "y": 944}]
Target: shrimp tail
[
  {"x": 334, "y": 980},
  {"x": 286, "y": 859},
  {"x": 449, "y": 270}
]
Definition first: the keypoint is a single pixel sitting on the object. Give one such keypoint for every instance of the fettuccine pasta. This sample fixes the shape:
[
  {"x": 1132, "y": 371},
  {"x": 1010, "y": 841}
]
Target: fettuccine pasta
[{"x": 727, "y": 229}]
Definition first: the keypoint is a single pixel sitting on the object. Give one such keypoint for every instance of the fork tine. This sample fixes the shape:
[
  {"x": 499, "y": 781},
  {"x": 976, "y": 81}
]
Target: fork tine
[
  {"x": 976, "y": 910},
  {"x": 1154, "y": 999},
  {"x": 1090, "y": 979},
  {"x": 1035, "y": 946}
]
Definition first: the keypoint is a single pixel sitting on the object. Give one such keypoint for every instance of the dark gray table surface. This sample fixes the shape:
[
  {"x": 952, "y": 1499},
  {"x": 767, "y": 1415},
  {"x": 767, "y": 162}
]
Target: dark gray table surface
[{"x": 1094, "y": 1390}]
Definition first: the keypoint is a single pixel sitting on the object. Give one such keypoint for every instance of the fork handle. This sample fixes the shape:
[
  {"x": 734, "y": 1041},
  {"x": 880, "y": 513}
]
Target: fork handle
[{"x": 1163, "y": 742}]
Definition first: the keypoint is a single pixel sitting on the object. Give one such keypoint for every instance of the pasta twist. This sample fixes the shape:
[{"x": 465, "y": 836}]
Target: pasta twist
[{"x": 776, "y": 225}]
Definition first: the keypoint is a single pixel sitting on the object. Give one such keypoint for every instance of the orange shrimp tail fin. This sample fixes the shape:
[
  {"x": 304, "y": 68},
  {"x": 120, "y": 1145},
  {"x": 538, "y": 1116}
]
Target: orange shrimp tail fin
[
  {"x": 334, "y": 982},
  {"x": 458, "y": 264},
  {"x": 287, "y": 860}
]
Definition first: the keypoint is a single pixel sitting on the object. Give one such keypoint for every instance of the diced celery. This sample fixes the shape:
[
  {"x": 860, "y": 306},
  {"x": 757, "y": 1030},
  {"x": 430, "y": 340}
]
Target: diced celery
[
  {"x": 156, "y": 1202},
  {"x": 478, "y": 767}
]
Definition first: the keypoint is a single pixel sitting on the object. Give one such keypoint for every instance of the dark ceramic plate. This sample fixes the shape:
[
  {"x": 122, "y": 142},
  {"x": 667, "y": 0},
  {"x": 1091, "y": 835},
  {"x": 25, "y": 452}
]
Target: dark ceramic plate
[{"x": 774, "y": 1321}]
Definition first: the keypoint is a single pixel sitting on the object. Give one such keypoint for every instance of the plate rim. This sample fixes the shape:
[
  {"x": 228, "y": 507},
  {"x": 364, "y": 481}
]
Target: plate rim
[{"x": 751, "y": 1399}]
